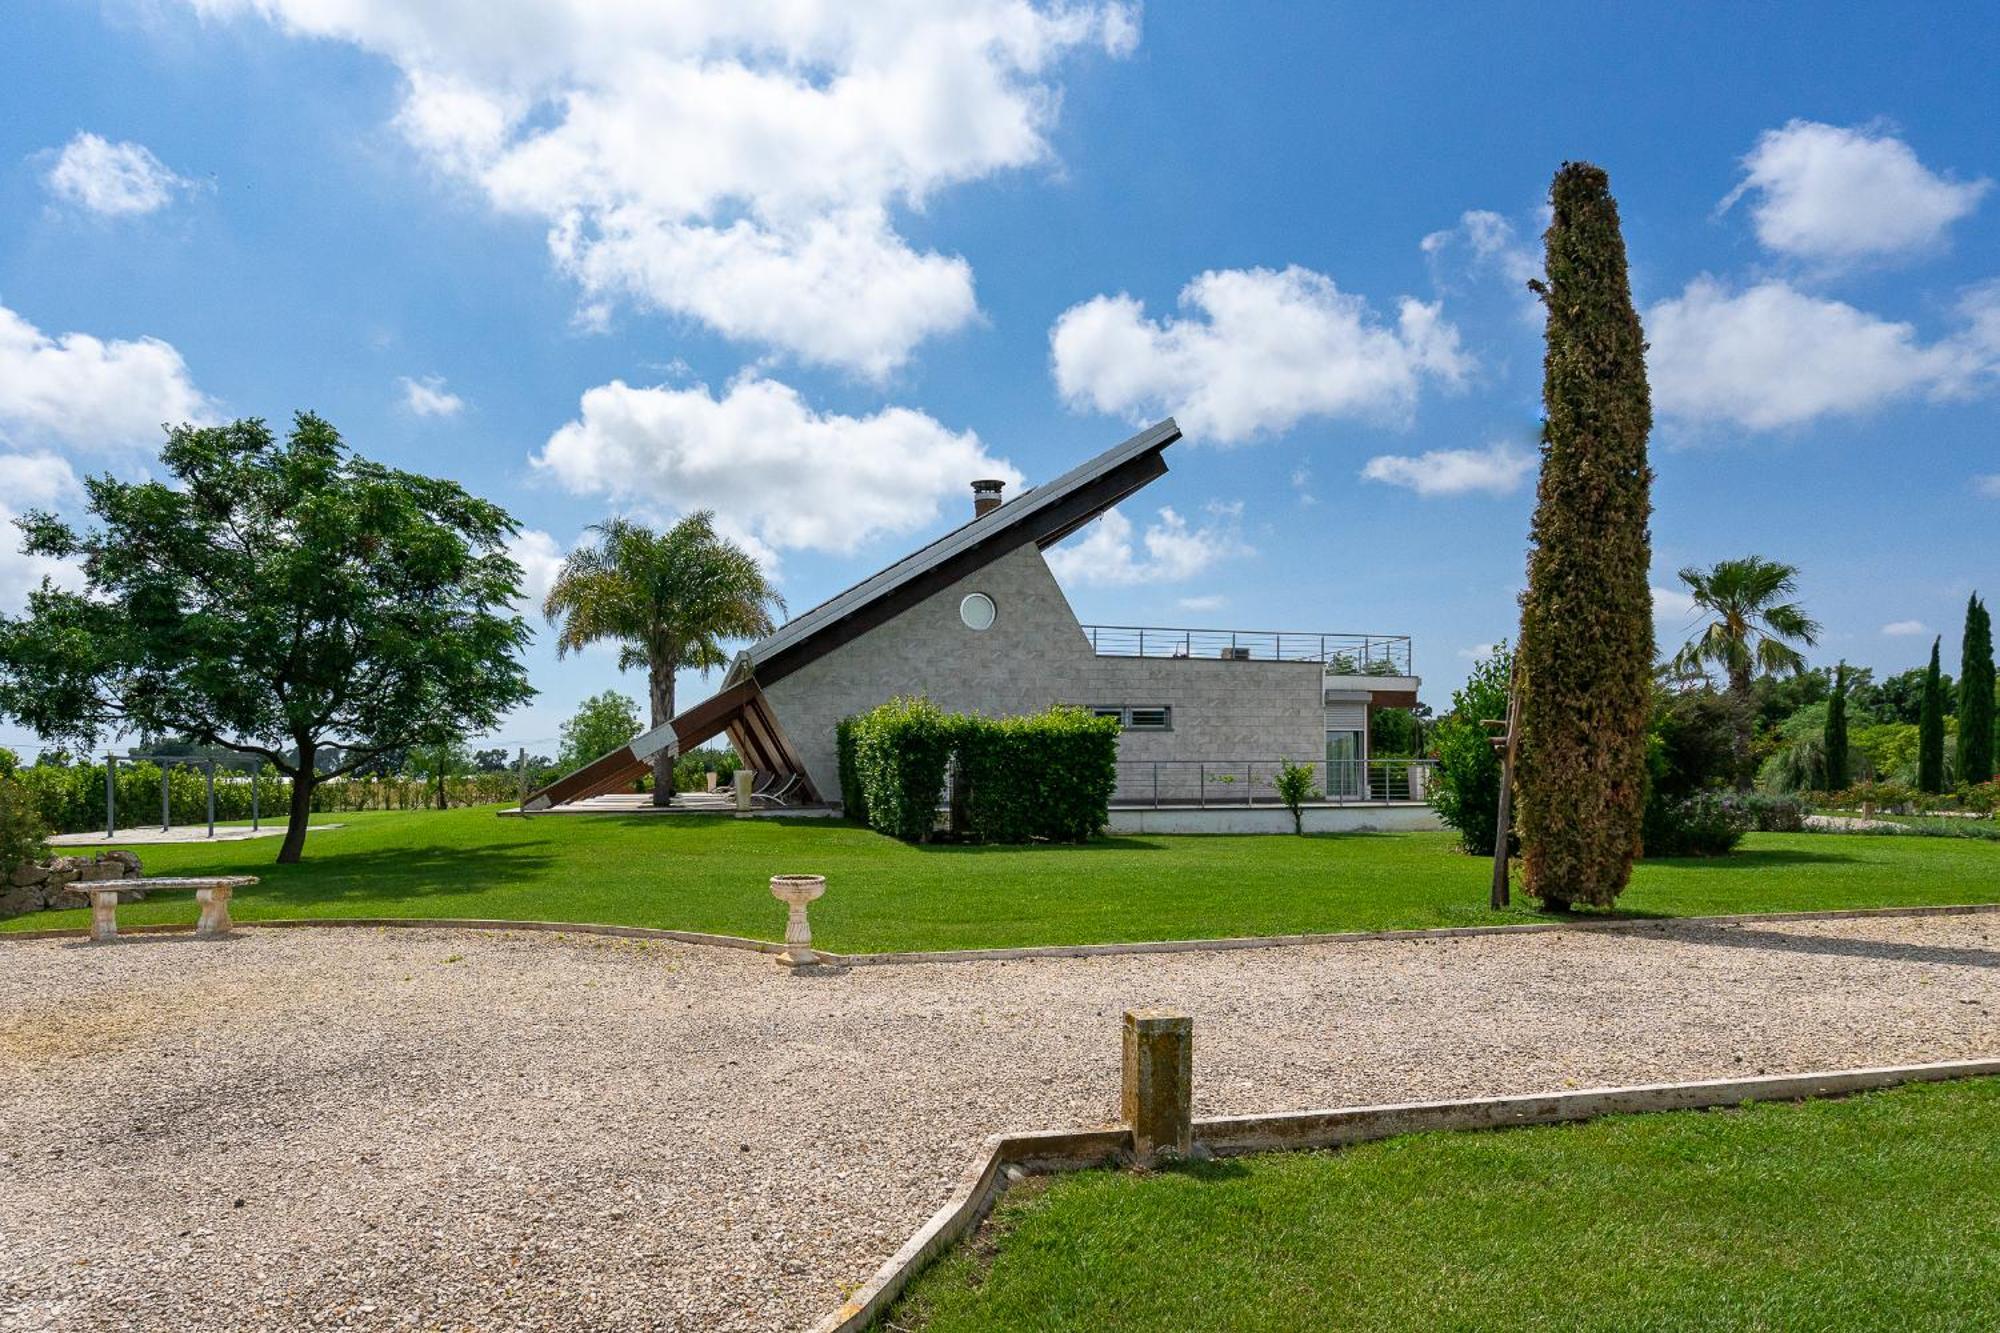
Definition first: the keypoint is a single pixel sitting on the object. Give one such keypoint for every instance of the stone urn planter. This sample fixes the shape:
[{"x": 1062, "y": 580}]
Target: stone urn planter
[{"x": 795, "y": 891}]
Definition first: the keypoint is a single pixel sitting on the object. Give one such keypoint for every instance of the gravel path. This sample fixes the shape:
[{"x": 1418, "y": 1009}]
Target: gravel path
[{"x": 361, "y": 1129}]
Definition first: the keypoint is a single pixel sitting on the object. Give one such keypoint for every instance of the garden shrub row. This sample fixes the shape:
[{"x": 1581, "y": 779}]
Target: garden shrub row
[{"x": 1045, "y": 776}]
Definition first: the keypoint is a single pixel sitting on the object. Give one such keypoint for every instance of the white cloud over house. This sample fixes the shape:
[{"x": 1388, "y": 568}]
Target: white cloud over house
[
  {"x": 112, "y": 179},
  {"x": 1254, "y": 352},
  {"x": 427, "y": 397},
  {"x": 1905, "y": 629},
  {"x": 1827, "y": 193},
  {"x": 741, "y": 164},
  {"x": 1770, "y": 356},
  {"x": 77, "y": 391},
  {"x": 31, "y": 481},
  {"x": 777, "y": 472},
  {"x": 1498, "y": 469},
  {"x": 1112, "y": 552}
]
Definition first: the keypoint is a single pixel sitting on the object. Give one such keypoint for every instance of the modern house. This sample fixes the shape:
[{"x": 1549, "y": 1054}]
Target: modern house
[{"x": 976, "y": 622}]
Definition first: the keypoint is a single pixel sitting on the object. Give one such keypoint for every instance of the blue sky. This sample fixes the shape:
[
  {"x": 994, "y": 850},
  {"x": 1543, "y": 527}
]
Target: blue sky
[{"x": 817, "y": 273}]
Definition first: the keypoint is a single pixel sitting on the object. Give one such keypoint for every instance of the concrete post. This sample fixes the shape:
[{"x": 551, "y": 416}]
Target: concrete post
[
  {"x": 744, "y": 778},
  {"x": 1158, "y": 1097},
  {"x": 103, "y": 913}
]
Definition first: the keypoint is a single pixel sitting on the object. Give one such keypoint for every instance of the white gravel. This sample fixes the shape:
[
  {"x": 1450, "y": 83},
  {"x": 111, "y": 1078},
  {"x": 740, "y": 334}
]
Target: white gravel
[{"x": 362, "y": 1129}]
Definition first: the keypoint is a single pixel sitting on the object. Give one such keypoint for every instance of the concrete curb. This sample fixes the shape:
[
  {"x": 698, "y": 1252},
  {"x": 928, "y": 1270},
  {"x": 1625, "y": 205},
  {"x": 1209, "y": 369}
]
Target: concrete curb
[
  {"x": 1071, "y": 1150},
  {"x": 840, "y": 960},
  {"x": 432, "y": 923},
  {"x": 1627, "y": 925}
]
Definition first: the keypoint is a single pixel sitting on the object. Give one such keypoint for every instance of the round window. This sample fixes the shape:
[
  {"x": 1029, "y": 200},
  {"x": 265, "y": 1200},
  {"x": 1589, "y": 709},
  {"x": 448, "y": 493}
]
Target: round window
[{"x": 976, "y": 610}]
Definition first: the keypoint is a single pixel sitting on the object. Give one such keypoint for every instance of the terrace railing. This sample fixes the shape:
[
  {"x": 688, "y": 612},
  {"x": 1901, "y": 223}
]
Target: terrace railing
[
  {"x": 1202, "y": 783},
  {"x": 1342, "y": 654}
]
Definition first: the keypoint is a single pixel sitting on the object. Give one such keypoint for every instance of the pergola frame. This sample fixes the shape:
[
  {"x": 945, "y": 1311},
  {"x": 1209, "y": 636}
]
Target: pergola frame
[{"x": 166, "y": 763}]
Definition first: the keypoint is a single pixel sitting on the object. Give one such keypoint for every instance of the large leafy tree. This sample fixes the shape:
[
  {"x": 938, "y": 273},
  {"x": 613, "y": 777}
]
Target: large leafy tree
[
  {"x": 1586, "y": 649},
  {"x": 601, "y": 724},
  {"x": 288, "y": 600},
  {"x": 1752, "y": 622},
  {"x": 1836, "y": 733},
  {"x": 670, "y": 599},
  {"x": 1975, "y": 695},
  {"x": 1930, "y": 729}
]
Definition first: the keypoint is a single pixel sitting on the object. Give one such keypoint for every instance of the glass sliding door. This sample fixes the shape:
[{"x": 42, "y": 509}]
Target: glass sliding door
[{"x": 1345, "y": 780}]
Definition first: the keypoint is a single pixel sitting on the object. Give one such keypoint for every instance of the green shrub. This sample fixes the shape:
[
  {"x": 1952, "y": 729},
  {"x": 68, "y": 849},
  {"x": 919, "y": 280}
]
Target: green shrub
[
  {"x": 853, "y": 800},
  {"x": 1295, "y": 788},
  {"x": 23, "y": 834},
  {"x": 1465, "y": 785},
  {"x": 901, "y": 751},
  {"x": 1705, "y": 824},
  {"x": 1772, "y": 814},
  {"x": 1047, "y": 775}
]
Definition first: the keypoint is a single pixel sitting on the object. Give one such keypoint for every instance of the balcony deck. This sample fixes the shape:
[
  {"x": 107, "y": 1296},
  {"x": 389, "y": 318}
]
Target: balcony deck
[{"x": 1341, "y": 654}]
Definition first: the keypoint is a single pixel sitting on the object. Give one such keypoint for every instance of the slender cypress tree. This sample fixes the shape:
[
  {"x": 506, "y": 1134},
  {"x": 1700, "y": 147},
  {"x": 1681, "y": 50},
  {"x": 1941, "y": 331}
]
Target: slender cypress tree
[
  {"x": 1930, "y": 730},
  {"x": 1586, "y": 655},
  {"x": 1836, "y": 732},
  {"x": 1975, "y": 695}
]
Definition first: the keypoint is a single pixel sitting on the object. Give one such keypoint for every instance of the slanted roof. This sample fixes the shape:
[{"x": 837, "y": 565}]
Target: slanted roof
[{"x": 1043, "y": 515}]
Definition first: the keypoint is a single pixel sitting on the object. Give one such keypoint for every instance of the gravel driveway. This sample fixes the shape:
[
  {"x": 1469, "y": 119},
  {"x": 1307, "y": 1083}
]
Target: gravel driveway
[{"x": 362, "y": 1129}]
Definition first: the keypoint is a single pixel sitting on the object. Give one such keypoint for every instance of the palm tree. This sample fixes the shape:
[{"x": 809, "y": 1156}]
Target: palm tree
[
  {"x": 670, "y": 599},
  {"x": 1748, "y": 635}
]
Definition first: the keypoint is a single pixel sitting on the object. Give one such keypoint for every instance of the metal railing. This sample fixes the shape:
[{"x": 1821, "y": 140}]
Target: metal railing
[
  {"x": 1202, "y": 783},
  {"x": 1342, "y": 654}
]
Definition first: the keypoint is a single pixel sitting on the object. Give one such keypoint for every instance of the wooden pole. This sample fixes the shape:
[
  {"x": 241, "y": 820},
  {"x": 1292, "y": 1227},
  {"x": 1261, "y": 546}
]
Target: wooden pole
[{"x": 1501, "y": 895}]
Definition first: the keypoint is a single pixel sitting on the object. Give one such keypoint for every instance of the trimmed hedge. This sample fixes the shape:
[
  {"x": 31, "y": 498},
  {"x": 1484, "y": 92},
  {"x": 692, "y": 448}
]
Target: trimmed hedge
[
  {"x": 1048, "y": 775},
  {"x": 901, "y": 751},
  {"x": 852, "y": 798}
]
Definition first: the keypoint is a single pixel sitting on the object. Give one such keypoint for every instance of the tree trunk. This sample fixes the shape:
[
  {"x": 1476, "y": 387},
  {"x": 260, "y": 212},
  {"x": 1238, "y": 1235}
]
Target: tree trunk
[
  {"x": 661, "y": 682},
  {"x": 1746, "y": 719},
  {"x": 303, "y": 783}
]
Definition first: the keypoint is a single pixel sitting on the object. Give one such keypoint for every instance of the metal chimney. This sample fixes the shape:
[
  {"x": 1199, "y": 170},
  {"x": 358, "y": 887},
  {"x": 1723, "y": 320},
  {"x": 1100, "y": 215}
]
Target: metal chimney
[{"x": 986, "y": 496}]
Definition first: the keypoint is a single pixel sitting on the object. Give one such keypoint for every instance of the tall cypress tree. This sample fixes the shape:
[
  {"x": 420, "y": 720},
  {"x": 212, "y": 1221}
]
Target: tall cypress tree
[
  {"x": 1836, "y": 732},
  {"x": 1975, "y": 695},
  {"x": 1930, "y": 730},
  {"x": 1586, "y": 654}
]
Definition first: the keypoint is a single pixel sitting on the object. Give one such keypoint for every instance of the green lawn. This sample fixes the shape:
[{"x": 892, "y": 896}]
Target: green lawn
[
  {"x": 711, "y": 873},
  {"x": 1873, "y": 1213}
]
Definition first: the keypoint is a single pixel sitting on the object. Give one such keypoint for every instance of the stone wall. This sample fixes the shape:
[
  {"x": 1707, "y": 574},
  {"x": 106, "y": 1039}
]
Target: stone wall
[
  {"x": 1034, "y": 655},
  {"x": 52, "y": 884}
]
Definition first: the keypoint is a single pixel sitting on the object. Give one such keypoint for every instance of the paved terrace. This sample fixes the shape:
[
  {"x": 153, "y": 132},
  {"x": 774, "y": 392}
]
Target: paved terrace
[{"x": 361, "y": 1129}]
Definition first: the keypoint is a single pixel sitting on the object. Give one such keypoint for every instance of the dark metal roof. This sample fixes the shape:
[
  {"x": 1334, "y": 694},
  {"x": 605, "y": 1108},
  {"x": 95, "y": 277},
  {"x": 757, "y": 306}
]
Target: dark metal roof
[{"x": 1044, "y": 515}]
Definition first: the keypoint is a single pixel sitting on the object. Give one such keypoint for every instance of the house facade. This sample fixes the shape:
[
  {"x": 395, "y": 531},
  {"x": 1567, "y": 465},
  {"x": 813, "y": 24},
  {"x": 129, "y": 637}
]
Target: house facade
[{"x": 977, "y": 623}]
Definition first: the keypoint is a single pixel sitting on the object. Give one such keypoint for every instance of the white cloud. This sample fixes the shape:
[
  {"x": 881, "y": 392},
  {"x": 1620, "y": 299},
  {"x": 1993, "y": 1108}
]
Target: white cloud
[
  {"x": 1489, "y": 244},
  {"x": 428, "y": 397},
  {"x": 736, "y": 161},
  {"x": 539, "y": 555},
  {"x": 1212, "y": 601},
  {"x": 82, "y": 392},
  {"x": 1828, "y": 193},
  {"x": 1498, "y": 469},
  {"x": 1169, "y": 551},
  {"x": 1987, "y": 485},
  {"x": 1257, "y": 351},
  {"x": 112, "y": 178},
  {"x": 1770, "y": 356},
  {"x": 1904, "y": 629},
  {"x": 1671, "y": 603},
  {"x": 1302, "y": 485},
  {"x": 775, "y": 471},
  {"x": 1480, "y": 651},
  {"x": 31, "y": 481}
]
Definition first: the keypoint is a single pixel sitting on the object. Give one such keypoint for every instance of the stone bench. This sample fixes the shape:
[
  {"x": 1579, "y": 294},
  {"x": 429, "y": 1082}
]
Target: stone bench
[{"x": 211, "y": 891}]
